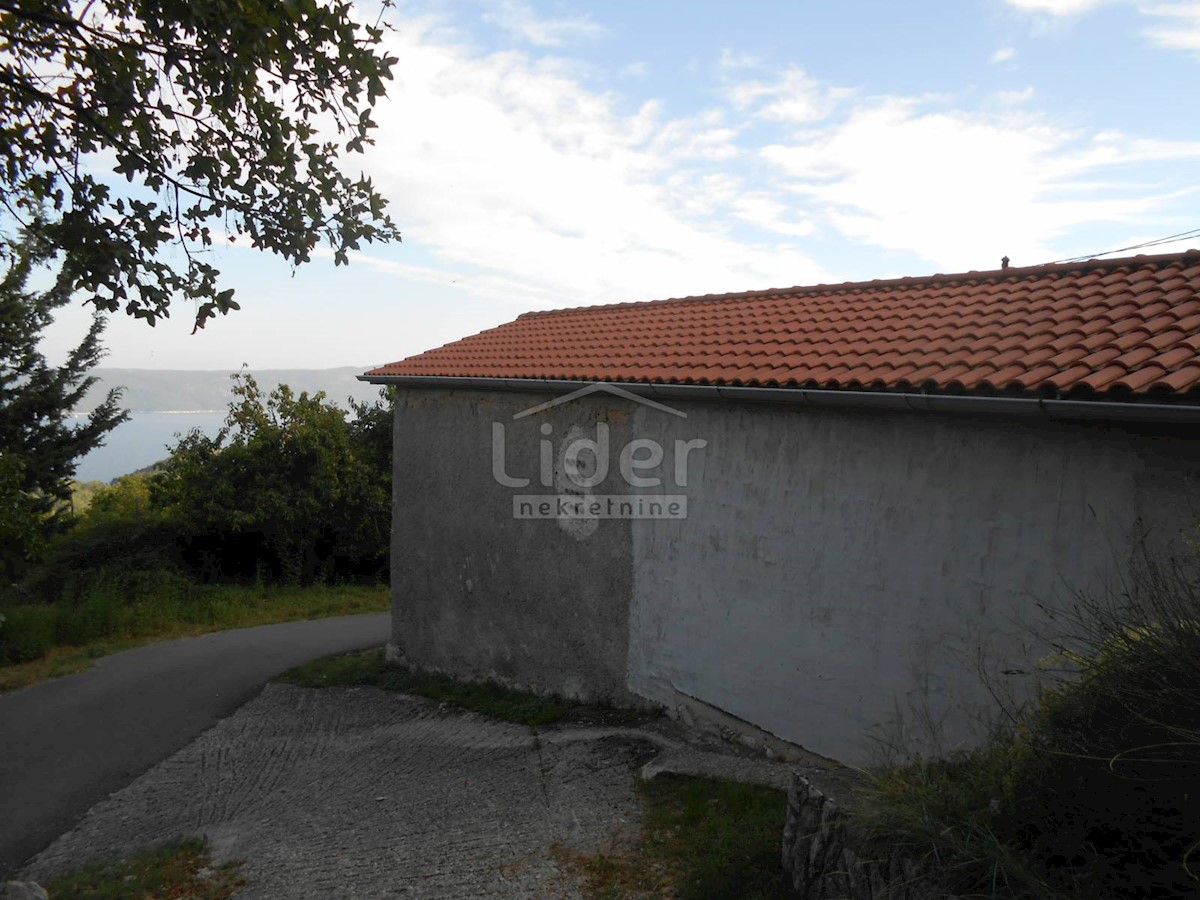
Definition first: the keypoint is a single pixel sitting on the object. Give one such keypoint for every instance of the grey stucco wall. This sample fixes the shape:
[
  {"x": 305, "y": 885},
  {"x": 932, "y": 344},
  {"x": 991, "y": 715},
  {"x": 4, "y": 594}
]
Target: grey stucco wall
[
  {"x": 838, "y": 568},
  {"x": 481, "y": 595},
  {"x": 835, "y": 569}
]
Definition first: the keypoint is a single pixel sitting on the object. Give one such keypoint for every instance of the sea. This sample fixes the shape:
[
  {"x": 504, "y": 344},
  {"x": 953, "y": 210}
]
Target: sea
[{"x": 142, "y": 441}]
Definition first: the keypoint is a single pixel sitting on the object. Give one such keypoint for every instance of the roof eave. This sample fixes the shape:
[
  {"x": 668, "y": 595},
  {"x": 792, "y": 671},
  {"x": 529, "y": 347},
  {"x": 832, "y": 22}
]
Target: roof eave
[{"x": 1020, "y": 407}]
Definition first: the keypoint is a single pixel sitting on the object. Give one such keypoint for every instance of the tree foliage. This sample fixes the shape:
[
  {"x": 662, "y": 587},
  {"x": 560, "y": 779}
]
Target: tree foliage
[
  {"x": 21, "y": 532},
  {"x": 39, "y": 446},
  {"x": 228, "y": 114},
  {"x": 288, "y": 486}
]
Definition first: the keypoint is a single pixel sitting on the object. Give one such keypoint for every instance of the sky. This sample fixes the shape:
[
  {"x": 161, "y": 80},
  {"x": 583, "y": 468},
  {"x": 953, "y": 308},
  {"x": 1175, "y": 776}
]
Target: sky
[{"x": 548, "y": 153}]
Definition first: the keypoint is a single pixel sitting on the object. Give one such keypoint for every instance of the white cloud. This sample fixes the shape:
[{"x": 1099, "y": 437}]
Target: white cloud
[
  {"x": 959, "y": 188},
  {"x": 635, "y": 70},
  {"x": 793, "y": 96},
  {"x": 1013, "y": 98},
  {"x": 1181, "y": 31},
  {"x": 706, "y": 136},
  {"x": 766, "y": 212},
  {"x": 1058, "y": 7},
  {"x": 520, "y": 20},
  {"x": 731, "y": 61},
  {"x": 1003, "y": 55},
  {"x": 534, "y": 188}
]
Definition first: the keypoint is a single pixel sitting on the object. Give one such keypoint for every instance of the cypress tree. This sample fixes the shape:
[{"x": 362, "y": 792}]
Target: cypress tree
[{"x": 40, "y": 446}]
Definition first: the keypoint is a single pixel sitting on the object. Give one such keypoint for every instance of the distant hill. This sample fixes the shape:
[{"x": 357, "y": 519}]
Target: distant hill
[{"x": 176, "y": 390}]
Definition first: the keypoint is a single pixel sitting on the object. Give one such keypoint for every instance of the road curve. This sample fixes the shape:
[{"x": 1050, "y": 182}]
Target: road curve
[{"x": 68, "y": 743}]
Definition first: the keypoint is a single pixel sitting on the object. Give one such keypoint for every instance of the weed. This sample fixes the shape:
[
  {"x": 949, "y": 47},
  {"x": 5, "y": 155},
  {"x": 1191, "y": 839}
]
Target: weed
[
  {"x": 39, "y": 641},
  {"x": 178, "y": 869},
  {"x": 367, "y": 667},
  {"x": 702, "y": 839}
]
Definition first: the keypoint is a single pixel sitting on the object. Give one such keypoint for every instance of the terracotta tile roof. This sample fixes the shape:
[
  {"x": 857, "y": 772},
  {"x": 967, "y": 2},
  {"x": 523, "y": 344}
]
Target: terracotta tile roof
[{"x": 1121, "y": 328}]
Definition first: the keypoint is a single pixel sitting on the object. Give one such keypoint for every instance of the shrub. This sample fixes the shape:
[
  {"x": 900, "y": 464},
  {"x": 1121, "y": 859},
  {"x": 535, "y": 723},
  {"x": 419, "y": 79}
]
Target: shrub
[
  {"x": 289, "y": 487},
  {"x": 23, "y": 529},
  {"x": 945, "y": 813},
  {"x": 1108, "y": 801},
  {"x": 1091, "y": 790},
  {"x": 26, "y": 633},
  {"x": 289, "y": 492},
  {"x": 105, "y": 549},
  {"x": 125, "y": 500}
]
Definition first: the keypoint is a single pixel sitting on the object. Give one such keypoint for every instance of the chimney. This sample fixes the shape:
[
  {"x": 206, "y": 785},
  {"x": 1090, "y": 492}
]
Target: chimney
[{"x": 1004, "y": 262}]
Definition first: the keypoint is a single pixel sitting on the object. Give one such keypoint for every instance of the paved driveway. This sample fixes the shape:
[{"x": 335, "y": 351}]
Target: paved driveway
[
  {"x": 356, "y": 792},
  {"x": 68, "y": 743}
]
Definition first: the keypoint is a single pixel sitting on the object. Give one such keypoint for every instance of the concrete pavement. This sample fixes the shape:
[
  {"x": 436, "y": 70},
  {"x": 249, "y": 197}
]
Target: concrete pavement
[{"x": 356, "y": 792}]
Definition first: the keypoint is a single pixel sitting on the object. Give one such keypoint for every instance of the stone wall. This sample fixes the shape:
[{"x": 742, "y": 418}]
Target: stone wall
[{"x": 823, "y": 862}]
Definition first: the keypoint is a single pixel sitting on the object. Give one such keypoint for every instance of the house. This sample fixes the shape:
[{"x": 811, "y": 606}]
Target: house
[{"x": 804, "y": 514}]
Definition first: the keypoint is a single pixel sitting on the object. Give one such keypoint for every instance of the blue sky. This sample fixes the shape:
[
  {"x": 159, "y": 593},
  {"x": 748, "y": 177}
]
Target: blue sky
[{"x": 544, "y": 153}]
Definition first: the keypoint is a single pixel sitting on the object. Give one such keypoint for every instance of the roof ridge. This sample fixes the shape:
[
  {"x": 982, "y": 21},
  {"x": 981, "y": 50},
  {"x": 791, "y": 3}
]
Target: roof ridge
[{"x": 1013, "y": 272}]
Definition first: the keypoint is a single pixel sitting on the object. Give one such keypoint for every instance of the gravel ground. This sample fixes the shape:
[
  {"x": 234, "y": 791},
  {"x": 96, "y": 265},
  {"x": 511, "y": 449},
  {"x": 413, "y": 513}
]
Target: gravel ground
[{"x": 356, "y": 792}]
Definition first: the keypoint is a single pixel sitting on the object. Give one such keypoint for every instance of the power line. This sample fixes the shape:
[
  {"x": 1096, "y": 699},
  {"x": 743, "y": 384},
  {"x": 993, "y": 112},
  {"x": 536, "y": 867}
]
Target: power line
[{"x": 1169, "y": 239}]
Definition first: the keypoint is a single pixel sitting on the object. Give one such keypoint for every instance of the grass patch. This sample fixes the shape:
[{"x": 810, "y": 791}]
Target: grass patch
[
  {"x": 40, "y": 641},
  {"x": 182, "y": 869},
  {"x": 949, "y": 815},
  {"x": 702, "y": 839},
  {"x": 366, "y": 667}
]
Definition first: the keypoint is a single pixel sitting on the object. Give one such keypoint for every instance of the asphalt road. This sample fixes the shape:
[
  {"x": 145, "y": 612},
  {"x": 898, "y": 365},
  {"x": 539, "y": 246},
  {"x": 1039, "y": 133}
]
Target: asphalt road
[{"x": 68, "y": 743}]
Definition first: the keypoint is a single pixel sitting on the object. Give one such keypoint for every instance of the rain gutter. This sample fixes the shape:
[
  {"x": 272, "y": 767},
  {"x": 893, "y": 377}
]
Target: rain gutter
[{"x": 1022, "y": 407}]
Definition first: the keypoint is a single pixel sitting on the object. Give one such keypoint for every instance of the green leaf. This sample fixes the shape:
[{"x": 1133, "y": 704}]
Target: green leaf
[{"x": 210, "y": 112}]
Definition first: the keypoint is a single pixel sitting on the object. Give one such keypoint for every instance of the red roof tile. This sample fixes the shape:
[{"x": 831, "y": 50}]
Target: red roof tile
[{"x": 1126, "y": 325}]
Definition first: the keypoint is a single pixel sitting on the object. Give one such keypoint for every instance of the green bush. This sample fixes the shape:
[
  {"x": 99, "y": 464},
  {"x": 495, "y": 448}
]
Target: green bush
[
  {"x": 127, "y": 500},
  {"x": 26, "y": 633},
  {"x": 106, "y": 550},
  {"x": 137, "y": 605},
  {"x": 109, "y": 605},
  {"x": 946, "y": 812},
  {"x": 1108, "y": 801},
  {"x": 23, "y": 526},
  {"x": 292, "y": 491},
  {"x": 289, "y": 489}
]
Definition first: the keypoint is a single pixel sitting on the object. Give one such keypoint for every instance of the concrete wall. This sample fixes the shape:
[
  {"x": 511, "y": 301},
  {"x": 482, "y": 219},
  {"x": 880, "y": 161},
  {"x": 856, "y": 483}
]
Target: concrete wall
[
  {"x": 839, "y": 566},
  {"x": 481, "y": 595},
  {"x": 835, "y": 567}
]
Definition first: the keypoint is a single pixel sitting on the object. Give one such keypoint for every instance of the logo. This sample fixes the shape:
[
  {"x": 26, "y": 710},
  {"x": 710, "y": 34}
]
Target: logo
[{"x": 570, "y": 461}]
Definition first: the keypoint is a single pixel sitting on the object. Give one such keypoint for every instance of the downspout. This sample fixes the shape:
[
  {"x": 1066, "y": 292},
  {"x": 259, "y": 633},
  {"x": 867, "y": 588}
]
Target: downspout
[{"x": 1020, "y": 407}]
